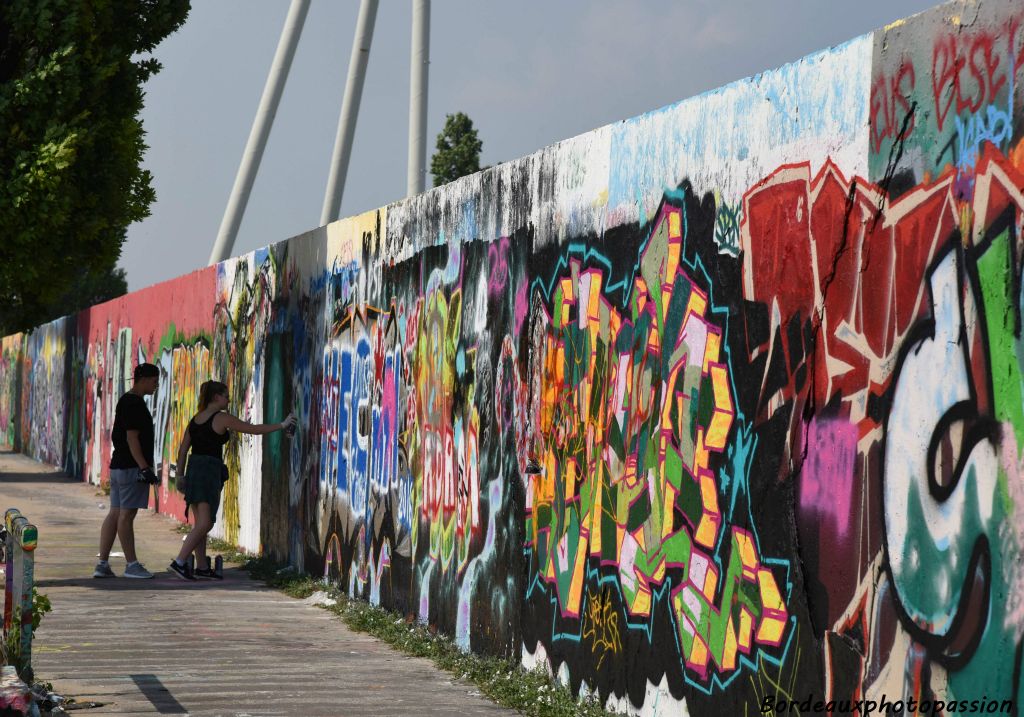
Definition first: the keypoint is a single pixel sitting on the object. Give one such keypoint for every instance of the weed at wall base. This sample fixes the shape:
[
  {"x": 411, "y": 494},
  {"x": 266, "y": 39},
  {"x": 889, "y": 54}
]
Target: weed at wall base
[{"x": 503, "y": 681}]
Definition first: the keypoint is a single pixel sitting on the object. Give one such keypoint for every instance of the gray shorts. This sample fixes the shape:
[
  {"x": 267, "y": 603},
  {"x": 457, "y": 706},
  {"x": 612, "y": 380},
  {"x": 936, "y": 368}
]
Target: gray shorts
[{"x": 126, "y": 491}]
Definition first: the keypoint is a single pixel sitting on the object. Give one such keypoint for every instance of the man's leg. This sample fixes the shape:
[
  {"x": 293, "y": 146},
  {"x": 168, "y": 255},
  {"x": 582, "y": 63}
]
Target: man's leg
[
  {"x": 126, "y": 532},
  {"x": 108, "y": 532},
  {"x": 134, "y": 497}
]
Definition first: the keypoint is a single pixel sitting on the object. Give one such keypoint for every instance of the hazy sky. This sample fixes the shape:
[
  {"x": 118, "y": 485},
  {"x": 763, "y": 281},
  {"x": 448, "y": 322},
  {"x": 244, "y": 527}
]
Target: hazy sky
[{"x": 528, "y": 73}]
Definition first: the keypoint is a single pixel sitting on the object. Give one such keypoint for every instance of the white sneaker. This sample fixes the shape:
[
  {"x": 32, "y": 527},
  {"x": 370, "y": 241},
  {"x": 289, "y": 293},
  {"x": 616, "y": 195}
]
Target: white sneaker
[
  {"x": 103, "y": 571},
  {"x": 137, "y": 570}
]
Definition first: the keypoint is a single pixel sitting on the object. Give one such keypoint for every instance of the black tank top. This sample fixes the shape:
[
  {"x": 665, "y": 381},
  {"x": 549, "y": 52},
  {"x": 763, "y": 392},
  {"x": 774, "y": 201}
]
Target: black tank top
[{"x": 205, "y": 440}]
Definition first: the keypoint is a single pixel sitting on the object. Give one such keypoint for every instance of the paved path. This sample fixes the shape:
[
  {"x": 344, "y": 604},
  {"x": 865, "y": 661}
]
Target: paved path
[{"x": 164, "y": 646}]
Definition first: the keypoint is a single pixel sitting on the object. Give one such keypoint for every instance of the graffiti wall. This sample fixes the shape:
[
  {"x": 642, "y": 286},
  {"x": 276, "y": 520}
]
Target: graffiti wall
[
  {"x": 61, "y": 382},
  {"x": 717, "y": 410}
]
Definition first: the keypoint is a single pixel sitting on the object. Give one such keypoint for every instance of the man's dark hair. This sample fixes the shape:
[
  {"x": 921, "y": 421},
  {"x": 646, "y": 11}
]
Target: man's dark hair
[{"x": 146, "y": 370}]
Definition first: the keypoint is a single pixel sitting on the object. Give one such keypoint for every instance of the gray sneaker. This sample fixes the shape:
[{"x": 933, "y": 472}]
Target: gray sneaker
[
  {"x": 103, "y": 571},
  {"x": 137, "y": 570}
]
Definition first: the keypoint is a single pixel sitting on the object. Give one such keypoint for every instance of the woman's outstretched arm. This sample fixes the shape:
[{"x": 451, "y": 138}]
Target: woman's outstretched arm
[{"x": 233, "y": 423}]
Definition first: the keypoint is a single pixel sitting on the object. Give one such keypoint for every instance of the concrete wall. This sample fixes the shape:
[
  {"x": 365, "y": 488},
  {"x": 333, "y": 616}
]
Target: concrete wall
[{"x": 717, "y": 405}]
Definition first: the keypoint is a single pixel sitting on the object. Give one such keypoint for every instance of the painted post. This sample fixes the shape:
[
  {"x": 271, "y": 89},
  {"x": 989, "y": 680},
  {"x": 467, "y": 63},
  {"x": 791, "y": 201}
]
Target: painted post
[
  {"x": 8, "y": 574},
  {"x": 418, "y": 77},
  {"x": 21, "y": 540},
  {"x": 349, "y": 110},
  {"x": 253, "y": 155}
]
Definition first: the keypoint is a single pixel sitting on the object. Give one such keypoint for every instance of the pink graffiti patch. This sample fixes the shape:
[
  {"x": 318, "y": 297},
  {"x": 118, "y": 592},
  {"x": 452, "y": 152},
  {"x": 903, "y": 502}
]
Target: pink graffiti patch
[
  {"x": 521, "y": 307},
  {"x": 826, "y": 484}
]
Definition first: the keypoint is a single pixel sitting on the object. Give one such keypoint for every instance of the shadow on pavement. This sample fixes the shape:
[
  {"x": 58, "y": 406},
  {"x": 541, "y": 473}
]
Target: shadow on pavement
[
  {"x": 55, "y": 477},
  {"x": 234, "y": 579},
  {"x": 160, "y": 696}
]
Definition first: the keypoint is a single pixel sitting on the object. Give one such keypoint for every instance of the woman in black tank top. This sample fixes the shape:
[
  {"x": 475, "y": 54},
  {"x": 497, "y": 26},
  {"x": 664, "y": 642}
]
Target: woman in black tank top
[
  {"x": 205, "y": 440},
  {"x": 208, "y": 432}
]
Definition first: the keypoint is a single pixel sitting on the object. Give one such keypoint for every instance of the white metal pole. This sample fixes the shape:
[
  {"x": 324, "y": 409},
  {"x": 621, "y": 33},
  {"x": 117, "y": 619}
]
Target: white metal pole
[
  {"x": 272, "y": 91},
  {"x": 418, "y": 78},
  {"x": 349, "y": 110}
]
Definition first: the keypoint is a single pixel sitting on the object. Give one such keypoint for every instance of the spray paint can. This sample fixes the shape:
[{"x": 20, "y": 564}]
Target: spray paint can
[
  {"x": 291, "y": 429},
  {"x": 218, "y": 566}
]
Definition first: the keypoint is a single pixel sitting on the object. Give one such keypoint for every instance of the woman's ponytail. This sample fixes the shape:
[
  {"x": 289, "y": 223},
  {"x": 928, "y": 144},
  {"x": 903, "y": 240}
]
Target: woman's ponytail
[{"x": 208, "y": 390}]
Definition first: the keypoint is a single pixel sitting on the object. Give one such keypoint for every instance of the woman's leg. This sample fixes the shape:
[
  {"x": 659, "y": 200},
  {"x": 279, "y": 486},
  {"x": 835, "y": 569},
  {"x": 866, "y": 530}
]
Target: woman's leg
[
  {"x": 196, "y": 536},
  {"x": 200, "y": 551}
]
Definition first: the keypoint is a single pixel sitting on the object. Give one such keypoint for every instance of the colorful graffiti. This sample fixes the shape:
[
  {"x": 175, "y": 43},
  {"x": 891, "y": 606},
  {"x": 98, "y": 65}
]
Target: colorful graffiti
[
  {"x": 634, "y": 417},
  {"x": 11, "y": 351},
  {"x": 952, "y": 472},
  {"x": 712, "y": 411}
]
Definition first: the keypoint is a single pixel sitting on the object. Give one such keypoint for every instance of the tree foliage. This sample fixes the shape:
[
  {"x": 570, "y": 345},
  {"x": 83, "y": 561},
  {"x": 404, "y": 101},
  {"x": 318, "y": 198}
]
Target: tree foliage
[
  {"x": 458, "y": 150},
  {"x": 71, "y": 143},
  {"x": 87, "y": 289}
]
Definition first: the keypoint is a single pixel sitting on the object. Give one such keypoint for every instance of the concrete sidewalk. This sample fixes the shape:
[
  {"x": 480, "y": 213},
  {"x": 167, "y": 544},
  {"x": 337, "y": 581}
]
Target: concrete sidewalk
[{"x": 137, "y": 646}]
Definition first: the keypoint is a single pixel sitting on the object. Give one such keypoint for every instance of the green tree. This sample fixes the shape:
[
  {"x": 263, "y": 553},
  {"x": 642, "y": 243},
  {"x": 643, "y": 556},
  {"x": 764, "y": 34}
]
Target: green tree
[
  {"x": 458, "y": 150},
  {"x": 71, "y": 144},
  {"x": 88, "y": 289}
]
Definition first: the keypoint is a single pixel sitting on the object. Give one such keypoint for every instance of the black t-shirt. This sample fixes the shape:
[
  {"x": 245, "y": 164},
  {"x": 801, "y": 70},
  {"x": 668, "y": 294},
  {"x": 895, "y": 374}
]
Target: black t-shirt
[{"x": 131, "y": 414}]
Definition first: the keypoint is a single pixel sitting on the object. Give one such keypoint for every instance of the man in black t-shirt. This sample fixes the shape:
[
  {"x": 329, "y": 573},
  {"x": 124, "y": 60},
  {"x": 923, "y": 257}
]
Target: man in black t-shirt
[{"x": 131, "y": 472}]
